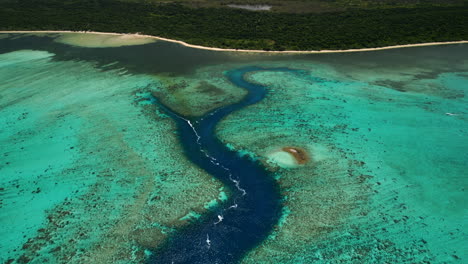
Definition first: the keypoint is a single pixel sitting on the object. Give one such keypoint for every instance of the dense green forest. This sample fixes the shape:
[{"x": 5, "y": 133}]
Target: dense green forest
[{"x": 233, "y": 28}]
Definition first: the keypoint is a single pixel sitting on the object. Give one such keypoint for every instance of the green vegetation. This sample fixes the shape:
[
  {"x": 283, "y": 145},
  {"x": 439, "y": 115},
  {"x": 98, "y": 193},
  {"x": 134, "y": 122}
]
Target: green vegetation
[
  {"x": 311, "y": 6},
  {"x": 232, "y": 28}
]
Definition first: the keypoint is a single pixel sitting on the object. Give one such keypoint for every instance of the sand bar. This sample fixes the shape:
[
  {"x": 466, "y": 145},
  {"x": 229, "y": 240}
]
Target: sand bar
[
  {"x": 102, "y": 41},
  {"x": 136, "y": 35}
]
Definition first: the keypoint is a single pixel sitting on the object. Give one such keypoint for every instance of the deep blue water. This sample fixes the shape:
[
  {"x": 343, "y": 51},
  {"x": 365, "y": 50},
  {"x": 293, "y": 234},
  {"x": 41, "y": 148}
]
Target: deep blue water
[{"x": 246, "y": 219}]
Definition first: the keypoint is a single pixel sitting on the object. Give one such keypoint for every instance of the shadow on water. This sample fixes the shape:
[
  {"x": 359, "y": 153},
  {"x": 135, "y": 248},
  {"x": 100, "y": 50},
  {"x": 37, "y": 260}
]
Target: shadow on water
[
  {"x": 166, "y": 57},
  {"x": 226, "y": 233},
  {"x": 153, "y": 58}
]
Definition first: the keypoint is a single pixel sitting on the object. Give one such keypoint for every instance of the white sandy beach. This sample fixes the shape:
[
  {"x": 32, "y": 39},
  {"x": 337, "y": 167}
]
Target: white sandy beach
[{"x": 126, "y": 39}]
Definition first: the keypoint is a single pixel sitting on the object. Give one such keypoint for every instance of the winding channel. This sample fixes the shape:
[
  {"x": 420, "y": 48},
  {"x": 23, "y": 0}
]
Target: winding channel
[{"x": 236, "y": 226}]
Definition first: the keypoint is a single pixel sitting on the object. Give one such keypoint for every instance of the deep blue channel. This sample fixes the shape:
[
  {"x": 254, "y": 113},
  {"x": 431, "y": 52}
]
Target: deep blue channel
[{"x": 229, "y": 231}]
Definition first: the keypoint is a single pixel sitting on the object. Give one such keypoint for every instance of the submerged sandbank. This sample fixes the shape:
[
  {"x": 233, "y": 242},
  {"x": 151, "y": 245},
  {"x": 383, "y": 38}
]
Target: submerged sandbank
[{"x": 94, "y": 40}]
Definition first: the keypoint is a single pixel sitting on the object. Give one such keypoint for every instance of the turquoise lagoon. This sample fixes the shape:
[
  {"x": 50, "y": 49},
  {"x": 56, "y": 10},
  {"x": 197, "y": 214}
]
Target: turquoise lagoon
[{"x": 92, "y": 172}]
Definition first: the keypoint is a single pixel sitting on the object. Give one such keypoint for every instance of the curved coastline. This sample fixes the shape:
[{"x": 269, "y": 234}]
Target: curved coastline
[{"x": 242, "y": 50}]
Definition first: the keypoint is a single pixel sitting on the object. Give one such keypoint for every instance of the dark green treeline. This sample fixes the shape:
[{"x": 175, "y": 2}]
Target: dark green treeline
[{"x": 231, "y": 28}]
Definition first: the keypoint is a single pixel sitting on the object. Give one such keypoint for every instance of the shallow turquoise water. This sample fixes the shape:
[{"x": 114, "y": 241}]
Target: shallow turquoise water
[
  {"x": 84, "y": 164},
  {"x": 46, "y": 109},
  {"x": 409, "y": 148},
  {"x": 386, "y": 133}
]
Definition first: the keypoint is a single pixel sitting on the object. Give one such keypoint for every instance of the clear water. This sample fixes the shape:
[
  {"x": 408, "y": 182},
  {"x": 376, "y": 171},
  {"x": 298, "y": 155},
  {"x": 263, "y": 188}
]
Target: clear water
[
  {"x": 93, "y": 172},
  {"x": 246, "y": 218}
]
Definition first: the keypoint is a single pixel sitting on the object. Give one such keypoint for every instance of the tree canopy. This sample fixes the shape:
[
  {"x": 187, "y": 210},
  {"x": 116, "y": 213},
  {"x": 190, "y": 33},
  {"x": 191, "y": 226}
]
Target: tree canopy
[{"x": 240, "y": 29}]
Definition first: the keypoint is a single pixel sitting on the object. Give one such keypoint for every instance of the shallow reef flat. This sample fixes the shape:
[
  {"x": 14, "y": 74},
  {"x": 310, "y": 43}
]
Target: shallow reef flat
[
  {"x": 369, "y": 151},
  {"x": 90, "y": 171},
  {"x": 198, "y": 93},
  {"x": 385, "y": 140}
]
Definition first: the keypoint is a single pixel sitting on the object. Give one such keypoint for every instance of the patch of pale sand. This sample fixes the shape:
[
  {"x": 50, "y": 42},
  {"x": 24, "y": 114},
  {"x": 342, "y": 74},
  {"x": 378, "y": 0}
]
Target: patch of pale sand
[
  {"x": 252, "y": 7},
  {"x": 288, "y": 157},
  {"x": 92, "y": 40},
  {"x": 282, "y": 159}
]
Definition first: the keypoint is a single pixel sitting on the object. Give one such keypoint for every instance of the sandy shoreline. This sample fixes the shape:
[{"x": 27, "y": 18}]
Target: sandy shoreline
[{"x": 241, "y": 50}]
